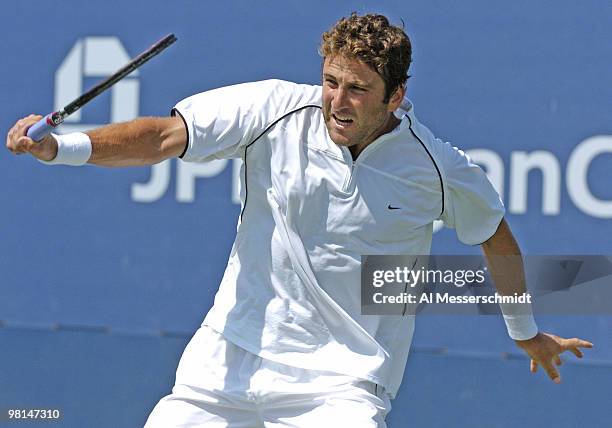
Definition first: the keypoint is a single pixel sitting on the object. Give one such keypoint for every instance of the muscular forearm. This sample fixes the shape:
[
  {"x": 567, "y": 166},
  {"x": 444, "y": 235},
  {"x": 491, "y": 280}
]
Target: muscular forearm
[
  {"x": 506, "y": 267},
  {"x": 143, "y": 141},
  {"x": 505, "y": 262}
]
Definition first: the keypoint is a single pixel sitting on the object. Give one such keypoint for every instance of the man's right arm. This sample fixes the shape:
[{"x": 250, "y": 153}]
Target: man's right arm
[{"x": 143, "y": 141}]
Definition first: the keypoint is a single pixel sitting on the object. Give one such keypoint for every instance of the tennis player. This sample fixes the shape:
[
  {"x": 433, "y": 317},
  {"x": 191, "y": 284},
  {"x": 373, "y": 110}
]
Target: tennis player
[{"x": 330, "y": 173}]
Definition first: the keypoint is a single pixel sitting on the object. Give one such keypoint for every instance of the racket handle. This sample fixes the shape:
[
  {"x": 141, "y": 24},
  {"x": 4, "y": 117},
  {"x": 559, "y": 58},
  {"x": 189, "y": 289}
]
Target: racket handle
[{"x": 41, "y": 128}]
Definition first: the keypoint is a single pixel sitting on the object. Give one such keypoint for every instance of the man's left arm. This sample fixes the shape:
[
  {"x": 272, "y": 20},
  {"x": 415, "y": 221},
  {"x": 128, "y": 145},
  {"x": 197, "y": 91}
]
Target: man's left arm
[{"x": 505, "y": 263}]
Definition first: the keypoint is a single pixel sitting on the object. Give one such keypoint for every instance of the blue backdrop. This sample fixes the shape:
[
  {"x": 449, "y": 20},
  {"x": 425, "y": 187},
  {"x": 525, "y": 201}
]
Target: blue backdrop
[{"x": 105, "y": 273}]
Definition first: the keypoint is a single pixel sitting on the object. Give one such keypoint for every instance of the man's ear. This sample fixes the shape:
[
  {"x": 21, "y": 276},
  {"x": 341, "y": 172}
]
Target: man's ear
[{"x": 396, "y": 98}]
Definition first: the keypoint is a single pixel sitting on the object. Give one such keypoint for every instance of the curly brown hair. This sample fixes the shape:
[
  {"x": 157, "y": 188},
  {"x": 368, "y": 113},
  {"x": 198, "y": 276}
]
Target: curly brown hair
[{"x": 373, "y": 40}]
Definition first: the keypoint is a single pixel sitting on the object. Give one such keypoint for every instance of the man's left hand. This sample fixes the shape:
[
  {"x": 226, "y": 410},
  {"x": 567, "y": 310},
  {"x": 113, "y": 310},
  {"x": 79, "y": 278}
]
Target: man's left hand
[{"x": 544, "y": 350}]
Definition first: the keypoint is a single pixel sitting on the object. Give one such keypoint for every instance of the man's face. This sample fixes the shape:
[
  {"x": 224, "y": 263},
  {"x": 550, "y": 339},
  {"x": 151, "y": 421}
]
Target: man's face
[{"x": 353, "y": 107}]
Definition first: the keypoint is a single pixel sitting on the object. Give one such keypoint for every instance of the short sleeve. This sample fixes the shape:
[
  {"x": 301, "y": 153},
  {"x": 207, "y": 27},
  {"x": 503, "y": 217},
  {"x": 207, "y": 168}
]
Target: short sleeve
[
  {"x": 222, "y": 122},
  {"x": 471, "y": 205}
]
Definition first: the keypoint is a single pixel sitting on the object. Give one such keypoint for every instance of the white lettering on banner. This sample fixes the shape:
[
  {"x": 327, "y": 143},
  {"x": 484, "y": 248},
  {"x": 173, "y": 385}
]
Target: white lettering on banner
[
  {"x": 186, "y": 175},
  {"x": 157, "y": 185},
  {"x": 96, "y": 57},
  {"x": 521, "y": 163},
  {"x": 577, "y": 176}
]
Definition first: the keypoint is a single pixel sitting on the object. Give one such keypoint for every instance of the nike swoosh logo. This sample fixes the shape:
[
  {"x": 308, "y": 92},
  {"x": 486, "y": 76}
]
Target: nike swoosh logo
[{"x": 392, "y": 208}]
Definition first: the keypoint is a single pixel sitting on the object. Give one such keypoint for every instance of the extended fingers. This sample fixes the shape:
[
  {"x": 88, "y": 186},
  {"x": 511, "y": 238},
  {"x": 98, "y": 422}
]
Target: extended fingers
[
  {"x": 551, "y": 371},
  {"x": 574, "y": 344},
  {"x": 577, "y": 352},
  {"x": 546, "y": 352},
  {"x": 579, "y": 343}
]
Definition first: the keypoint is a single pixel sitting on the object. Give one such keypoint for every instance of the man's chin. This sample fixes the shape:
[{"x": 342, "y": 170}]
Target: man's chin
[{"x": 339, "y": 139}]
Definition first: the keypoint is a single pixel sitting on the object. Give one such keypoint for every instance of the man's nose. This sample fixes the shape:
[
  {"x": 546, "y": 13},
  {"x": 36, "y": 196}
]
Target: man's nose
[{"x": 340, "y": 99}]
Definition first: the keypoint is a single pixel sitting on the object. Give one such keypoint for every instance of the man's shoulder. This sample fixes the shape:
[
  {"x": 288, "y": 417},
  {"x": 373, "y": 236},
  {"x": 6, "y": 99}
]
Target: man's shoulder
[
  {"x": 287, "y": 88},
  {"x": 442, "y": 151},
  {"x": 263, "y": 91},
  {"x": 288, "y": 85},
  {"x": 281, "y": 96}
]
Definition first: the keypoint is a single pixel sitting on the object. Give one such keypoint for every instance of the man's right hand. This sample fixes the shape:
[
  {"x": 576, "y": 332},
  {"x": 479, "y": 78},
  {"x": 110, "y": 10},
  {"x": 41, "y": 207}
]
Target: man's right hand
[{"x": 18, "y": 143}]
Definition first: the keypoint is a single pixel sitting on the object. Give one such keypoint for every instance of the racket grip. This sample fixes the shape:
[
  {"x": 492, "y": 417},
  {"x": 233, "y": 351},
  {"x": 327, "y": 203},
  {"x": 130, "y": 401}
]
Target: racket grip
[{"x": 41, "y": 128}]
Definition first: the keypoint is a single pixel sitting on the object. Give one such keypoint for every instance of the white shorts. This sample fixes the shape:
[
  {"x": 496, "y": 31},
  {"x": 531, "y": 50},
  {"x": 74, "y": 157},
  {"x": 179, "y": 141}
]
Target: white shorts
[{"x": 219, "y": 384}]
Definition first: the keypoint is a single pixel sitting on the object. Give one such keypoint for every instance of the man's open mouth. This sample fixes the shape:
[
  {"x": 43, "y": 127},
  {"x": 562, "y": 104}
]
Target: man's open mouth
[{"x": 342, "y": 121}]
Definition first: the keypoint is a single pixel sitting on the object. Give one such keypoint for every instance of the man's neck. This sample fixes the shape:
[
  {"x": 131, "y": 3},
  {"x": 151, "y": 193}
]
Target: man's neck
[{"x": 389, "y": 125}]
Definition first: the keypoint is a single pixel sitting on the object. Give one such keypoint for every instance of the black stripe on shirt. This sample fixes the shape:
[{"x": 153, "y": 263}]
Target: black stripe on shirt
[
  {"x": 265, "y": 131},
  {"x": 432, "y": 160}
]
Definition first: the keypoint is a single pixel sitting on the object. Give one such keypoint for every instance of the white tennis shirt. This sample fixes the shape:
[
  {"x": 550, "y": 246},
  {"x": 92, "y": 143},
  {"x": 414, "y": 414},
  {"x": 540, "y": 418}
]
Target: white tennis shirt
[{"x": 291, "y": 289}]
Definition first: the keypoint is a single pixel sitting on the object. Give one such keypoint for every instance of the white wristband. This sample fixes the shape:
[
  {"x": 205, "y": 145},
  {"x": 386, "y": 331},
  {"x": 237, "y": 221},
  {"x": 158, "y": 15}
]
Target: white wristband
[
  {"x": 72, "y": 149},
  {"x": 519, "y": 320}
]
